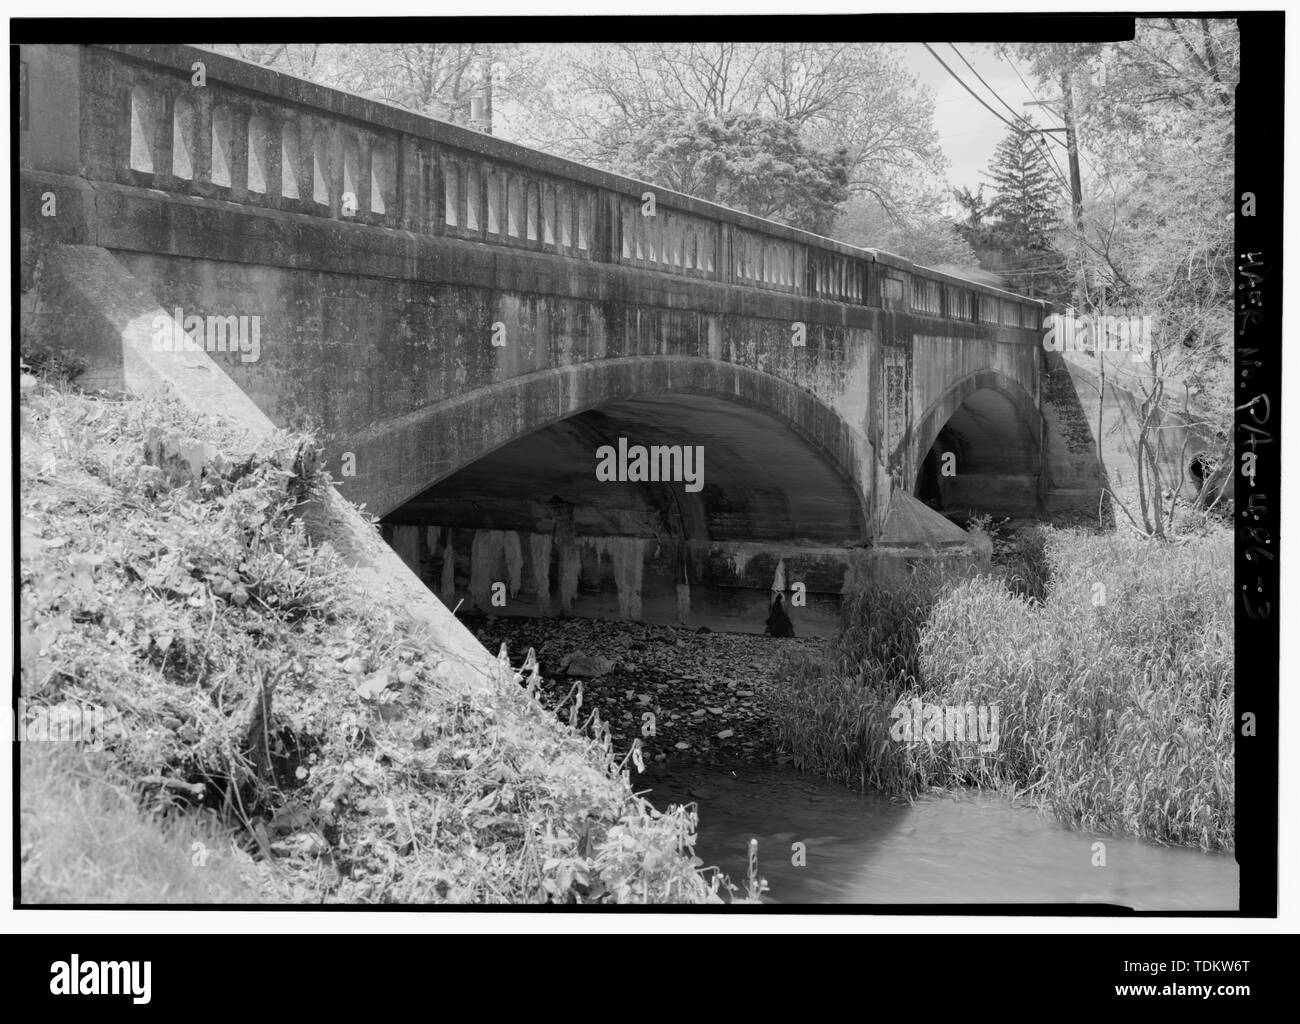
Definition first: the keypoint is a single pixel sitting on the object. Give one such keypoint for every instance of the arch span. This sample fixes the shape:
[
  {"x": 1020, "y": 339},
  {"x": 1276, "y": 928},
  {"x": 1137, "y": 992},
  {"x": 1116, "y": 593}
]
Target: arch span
[
  {"x": 772, "y": 482},
  {"x": 697, "y": 398},
  {"x": 750, "y": 479},
  {"x": 978, "y": 448}
]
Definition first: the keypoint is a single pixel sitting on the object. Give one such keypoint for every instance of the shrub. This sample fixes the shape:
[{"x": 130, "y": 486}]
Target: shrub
[
  {"x": 1116, "y": 694},
  {"x": 1114, "y": 687},
  {"x": 833, "y": 712}
]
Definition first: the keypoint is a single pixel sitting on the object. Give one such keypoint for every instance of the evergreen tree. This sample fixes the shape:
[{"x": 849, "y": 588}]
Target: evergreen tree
[
  {"x": 1021, "y": 220},
  {"x": 973, "y": 205},
  {"x": 1024, "y": 190},
  {"x": 972, "y": 226}
]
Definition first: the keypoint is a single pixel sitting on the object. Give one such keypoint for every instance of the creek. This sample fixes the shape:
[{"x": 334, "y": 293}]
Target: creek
[
  {"x": 714, "y": 745},
  {"x": 953, "y": 848}
]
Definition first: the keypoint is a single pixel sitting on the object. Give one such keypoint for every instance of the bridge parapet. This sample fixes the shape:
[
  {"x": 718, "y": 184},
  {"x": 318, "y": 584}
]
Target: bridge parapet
[{"x": 265, "y": 139}]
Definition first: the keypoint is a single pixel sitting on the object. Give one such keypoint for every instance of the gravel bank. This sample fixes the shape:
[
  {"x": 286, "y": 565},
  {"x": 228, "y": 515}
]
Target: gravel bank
[{"x": 709, "y": 693}]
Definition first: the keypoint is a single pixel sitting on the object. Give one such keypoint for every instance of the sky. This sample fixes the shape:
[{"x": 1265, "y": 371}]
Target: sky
[{"x": 967, "y": 132}]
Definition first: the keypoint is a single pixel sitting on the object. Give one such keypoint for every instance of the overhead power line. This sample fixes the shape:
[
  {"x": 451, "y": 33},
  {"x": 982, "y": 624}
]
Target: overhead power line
[
  {"x": 1036, "y": 135},
  {"x": 1019, "y": 117},
  {"x": 1039, "y": 135},
  {"x": 1037, "y": 102},
  {"x": 1012, "y": 64},
  {"x": 1056, "y": 169},
  {"x": 978, "y": 99}
]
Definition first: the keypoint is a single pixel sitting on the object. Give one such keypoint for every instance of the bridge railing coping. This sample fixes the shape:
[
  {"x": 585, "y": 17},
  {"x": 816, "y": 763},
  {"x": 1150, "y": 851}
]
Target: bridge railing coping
[{"x": 889, "y": 259}]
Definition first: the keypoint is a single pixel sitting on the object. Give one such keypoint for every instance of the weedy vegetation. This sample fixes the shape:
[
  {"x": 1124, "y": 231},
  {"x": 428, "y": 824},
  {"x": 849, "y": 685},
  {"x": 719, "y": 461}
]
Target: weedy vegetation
[
  {"x": 1109, "y": 656},
  {"x": 253, "y": 695}
]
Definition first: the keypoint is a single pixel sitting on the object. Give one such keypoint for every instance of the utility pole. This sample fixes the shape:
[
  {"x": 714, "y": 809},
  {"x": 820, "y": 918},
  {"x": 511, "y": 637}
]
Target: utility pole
[
  {"x": 1076, "y": 184},
  {"x": 480, "y": 102},
  {"x": 1071, "y": 144}
]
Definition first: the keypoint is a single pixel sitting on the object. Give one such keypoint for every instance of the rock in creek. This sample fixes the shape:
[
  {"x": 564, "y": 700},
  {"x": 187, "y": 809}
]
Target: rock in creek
[{"x": 590, "y": 666}]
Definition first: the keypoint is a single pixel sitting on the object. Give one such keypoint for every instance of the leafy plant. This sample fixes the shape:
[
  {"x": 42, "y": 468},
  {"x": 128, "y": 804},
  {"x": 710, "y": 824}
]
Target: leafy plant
[{"x": 167, "y": 581}]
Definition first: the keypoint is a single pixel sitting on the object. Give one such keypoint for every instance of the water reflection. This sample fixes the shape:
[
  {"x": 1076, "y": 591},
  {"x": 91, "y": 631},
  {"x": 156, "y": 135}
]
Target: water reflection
[{"x": 960, "y": 848}]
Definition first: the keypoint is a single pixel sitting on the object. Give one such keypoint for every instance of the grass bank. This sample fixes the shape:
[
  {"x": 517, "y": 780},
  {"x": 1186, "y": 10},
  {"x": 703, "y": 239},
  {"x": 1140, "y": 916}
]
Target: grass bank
[
  {"x": 244, "y": 691},
  {"x": 1109, "y": 659},
  {"x": 85, "y": 839}
]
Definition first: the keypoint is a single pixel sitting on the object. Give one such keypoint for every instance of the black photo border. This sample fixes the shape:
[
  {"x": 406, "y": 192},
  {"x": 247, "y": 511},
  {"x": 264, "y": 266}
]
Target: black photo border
[{"x": 1257, "y": 370}]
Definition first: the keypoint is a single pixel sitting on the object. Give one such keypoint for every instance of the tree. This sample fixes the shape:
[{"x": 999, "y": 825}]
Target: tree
[
  {"x": 590, "y": 102},
  {"x": 1154, "y": 116},
  {"x": 430, "y": 78},
  {"x": 597, "y": 103},
  {"x": 747, "y": 161},
  {"x": 1024, "y": 193},
  {"x": 1014, "y": 231},
  {"x": 859, "y": 96},
  {"x": 438, "y": 79},
  {"x": 916, "y": 233},
  {"x": 974, "y": 205},
  {"x": 301, "y": 59}
]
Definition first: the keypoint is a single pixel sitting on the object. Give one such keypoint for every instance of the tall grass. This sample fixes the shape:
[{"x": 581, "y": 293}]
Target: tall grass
[
  {"x": 1115, "y": 692},
  {"x": 85, "y": 840},
  {"x": 833, "y": 711}
]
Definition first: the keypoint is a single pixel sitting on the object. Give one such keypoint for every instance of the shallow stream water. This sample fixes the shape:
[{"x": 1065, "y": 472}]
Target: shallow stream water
[
  {"x": 962, "y": 848},
  {"x": 954, "y": 848}
]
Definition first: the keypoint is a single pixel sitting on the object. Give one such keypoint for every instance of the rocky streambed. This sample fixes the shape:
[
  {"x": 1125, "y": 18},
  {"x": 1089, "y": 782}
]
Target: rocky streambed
[{"x": 708, "y": 695}]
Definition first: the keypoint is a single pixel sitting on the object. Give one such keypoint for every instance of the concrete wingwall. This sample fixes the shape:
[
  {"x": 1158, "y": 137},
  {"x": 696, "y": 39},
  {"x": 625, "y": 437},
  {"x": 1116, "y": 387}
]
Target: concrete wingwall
[
  {"x": 85, "y": 299},
  {"x": 1072, "y": 469},
  {"x": 1113, "y": 420}
]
